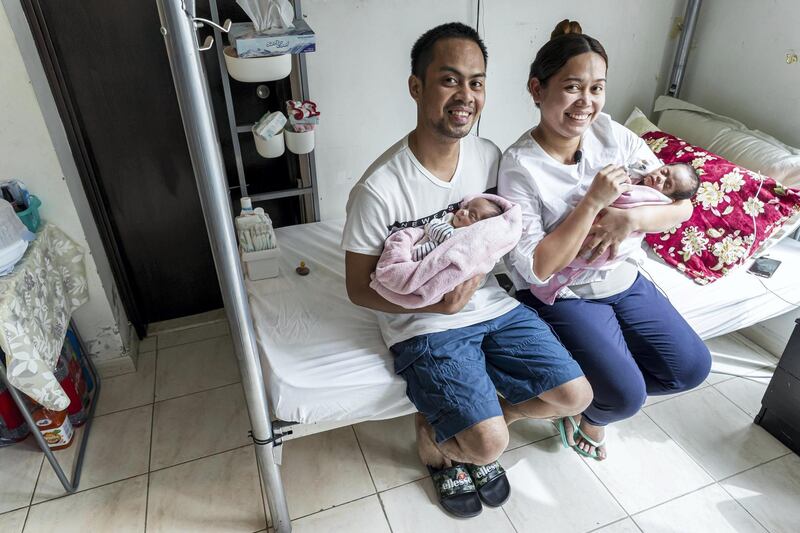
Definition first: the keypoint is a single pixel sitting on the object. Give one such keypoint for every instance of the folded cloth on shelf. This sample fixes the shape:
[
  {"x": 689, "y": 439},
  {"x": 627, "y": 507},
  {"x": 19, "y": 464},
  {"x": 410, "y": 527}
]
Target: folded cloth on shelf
[
  {"x": 472, "y": 250},
  {"x": 638, "y": 196}
]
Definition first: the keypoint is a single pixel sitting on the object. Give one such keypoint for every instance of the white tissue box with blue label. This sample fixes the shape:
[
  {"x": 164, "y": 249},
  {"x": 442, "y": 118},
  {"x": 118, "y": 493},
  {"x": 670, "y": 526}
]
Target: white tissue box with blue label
[{"x": 251, "y": 43}]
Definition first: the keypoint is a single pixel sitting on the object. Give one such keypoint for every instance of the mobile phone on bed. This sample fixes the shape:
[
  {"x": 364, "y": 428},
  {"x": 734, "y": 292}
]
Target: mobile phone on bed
[{"x": 764, "y": 267}]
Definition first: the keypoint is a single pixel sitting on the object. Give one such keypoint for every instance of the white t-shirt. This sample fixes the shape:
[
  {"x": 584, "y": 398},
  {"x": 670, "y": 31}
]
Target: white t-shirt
[
  {"x": 548, "y": 190},
  {"x": 398, "y": 192}
]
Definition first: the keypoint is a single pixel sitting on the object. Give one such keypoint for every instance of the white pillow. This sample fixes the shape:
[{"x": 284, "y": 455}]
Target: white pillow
[
  {"x": 638, "y": 123},
  {"x": 730, "y": 139}
]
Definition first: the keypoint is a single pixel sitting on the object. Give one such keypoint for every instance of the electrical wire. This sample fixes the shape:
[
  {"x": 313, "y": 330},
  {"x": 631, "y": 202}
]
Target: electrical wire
[
  {"x": 478, "y": 29},
  {"x": 796, "y": 304},
  {"x": 753, "y": 217}
]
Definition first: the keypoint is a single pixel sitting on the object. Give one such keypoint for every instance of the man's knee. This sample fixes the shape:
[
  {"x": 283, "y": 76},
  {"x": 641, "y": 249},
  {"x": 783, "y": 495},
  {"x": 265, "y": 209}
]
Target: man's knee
[
  {"x": 485, "y": 441},
  {"x": 573, "y": 396}
]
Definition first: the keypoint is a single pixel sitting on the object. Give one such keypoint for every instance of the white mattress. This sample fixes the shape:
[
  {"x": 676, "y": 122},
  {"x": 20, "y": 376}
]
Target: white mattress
[
  {"x": 324, "y": 360},
  {"x": 323, "y": 357}
]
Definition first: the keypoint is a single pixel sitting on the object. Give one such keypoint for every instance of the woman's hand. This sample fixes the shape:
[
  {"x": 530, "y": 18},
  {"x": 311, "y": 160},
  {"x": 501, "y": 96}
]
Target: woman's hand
[
  {"x": 611, "y": 228},
  {"x": 606, "y": 187}
]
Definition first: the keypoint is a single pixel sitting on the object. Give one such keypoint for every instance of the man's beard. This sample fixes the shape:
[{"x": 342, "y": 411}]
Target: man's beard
[{"x": 444, "y": 129}]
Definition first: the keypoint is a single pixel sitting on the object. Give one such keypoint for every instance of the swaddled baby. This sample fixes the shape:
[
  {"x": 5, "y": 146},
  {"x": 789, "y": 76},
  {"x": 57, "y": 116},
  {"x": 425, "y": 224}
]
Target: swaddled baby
[
  {"x": 439, "y": 230},
  {"x": 419, "y": 265},
  {"x": 663, "y": 185},
  {"x": 676, "y": 181}
]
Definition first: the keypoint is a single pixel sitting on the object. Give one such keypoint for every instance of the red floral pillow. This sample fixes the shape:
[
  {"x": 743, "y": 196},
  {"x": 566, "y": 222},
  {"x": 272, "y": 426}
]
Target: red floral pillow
[{"x": 719, "y": 235}]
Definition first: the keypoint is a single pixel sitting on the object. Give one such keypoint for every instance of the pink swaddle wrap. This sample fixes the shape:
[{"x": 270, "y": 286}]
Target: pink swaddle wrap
[
  {"x": 472, "y": 250},
  {"x": 638, "y": 196}
]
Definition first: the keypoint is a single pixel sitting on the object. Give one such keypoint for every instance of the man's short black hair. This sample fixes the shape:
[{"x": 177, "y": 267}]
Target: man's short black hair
[{"x": 422, "y": 51}]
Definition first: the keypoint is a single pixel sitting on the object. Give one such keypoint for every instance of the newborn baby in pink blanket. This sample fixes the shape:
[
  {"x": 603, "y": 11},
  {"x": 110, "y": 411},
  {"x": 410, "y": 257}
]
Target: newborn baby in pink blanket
[
  {"x": 663, "y": 185},
  {"x": 439, "y": 230},
  {"x": 419, "y": 266}
]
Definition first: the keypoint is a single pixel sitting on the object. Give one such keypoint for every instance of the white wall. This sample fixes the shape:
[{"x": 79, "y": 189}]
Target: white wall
[
  {"x": 737, "y": 66},
  {"x": 358, "y": 75},
  {"x": 34, "y": 149}
]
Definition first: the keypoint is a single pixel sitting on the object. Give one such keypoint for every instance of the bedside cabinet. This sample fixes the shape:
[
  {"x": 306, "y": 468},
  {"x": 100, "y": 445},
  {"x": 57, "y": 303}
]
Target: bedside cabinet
[{"x": 780, "y": 407}]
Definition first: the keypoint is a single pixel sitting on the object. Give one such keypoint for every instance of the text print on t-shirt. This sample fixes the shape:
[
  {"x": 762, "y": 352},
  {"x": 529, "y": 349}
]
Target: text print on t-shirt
[{"x": 424, "y": 220}]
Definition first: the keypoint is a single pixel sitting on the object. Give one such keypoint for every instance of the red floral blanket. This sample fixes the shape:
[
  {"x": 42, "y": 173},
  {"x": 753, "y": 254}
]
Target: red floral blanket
[{"x": 720, "y": 233}]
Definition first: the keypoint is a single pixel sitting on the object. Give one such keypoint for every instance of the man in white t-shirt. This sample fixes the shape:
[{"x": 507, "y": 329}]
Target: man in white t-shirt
[{"x": 455, "y": 355}]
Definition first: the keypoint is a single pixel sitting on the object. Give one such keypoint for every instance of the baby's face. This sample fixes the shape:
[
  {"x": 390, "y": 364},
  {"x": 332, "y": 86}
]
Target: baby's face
[
  {"x": 475, "y": 210},
  {"x": 669, "y": 179}
]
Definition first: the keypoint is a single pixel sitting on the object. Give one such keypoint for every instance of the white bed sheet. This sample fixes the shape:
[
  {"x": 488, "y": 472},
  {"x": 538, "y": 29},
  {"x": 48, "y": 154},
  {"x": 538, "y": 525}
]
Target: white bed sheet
[{"x": 324, "y": 359}]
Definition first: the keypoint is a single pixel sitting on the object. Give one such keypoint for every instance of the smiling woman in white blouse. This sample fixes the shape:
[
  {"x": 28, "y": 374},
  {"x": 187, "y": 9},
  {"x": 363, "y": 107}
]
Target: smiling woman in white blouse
[{"x": 565, "y": 172}]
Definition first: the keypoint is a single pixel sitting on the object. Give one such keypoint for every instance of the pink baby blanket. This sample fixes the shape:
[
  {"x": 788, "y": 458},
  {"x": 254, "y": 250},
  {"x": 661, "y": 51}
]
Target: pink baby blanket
[
  {"x": 639, "y": 195},
  {"x": 472, "y": 250}
]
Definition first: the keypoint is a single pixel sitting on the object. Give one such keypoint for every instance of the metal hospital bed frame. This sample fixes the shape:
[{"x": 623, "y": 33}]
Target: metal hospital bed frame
[{"x": 178, "y": 26}]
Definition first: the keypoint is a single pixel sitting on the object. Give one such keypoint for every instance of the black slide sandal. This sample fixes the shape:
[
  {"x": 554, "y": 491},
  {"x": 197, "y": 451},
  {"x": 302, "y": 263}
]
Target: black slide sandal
[
  {"x": 491, "y": 482},
  {"x": 456, "y": 491}
]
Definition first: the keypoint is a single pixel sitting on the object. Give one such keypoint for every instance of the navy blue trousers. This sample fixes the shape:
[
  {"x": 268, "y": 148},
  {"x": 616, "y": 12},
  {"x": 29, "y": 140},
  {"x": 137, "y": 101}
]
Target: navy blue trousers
[{"x": 629, "y": 345}]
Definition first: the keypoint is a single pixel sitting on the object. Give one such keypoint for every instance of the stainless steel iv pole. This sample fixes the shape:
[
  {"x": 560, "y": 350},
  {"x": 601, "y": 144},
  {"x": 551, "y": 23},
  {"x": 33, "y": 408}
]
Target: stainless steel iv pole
[{"x": 178, "y": 26}]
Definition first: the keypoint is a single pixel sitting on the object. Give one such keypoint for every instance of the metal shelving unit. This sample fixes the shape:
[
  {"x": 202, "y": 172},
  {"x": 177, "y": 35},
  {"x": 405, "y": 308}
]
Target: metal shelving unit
[{"x": 307, "y": 183}]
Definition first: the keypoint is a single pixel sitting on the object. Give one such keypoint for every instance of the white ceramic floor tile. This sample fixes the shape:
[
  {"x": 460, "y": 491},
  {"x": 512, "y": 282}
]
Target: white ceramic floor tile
[
  {"x": 118, "y": 448},
  {"x": 129, "y": 390},
  {"x": 194, "y": 367},
  {"x": 644, "y": 466},
  {"x": 623, "y": 526},
  {"x": 118, "y": 507},
  {"x": 709, "y": 509},
  {"x": 735, "y": 354},
  {"x": 217, "y": 493},
  {"x": 715, "y": 432},
  {"x": 652, "y": 400},
  {"x": 745, "y": 392},
  {"x": 361, "y": 516},
  {"x": 12, "y": 522},
  {"x": 148, "y": 344},
  {"x": 323, "y": 470},
  {"x": 553, "y": 490},
  {"x": 184, "y": 322},
  {"x": 770, "y": 493},
  {"x": 198, "y": 333},
  {"x": 390, "y": 448},
  {"x": 414, "y": 508},
  {"x": 19, "y": 468},
  {"x": 198, "y": 425},
  {"x": 525, "y": 432}
]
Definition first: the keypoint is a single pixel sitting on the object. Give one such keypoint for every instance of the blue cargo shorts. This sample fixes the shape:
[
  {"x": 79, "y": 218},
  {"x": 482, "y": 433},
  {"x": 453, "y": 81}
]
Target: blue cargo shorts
[{"x": 453, "y": 377}]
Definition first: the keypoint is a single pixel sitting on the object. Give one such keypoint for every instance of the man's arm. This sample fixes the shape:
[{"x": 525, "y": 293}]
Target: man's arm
[{"x": 358, "y": 269}]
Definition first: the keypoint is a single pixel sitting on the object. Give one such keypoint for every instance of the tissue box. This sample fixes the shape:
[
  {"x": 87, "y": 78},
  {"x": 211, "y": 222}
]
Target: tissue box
[
  {"x": 262, "y": 264},
  {"x": 250, "y": 43}
]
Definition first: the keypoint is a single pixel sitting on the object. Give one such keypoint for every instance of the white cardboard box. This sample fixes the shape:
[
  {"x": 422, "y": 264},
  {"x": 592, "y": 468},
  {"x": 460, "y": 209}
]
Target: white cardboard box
[{"x": 262, "y": 264}]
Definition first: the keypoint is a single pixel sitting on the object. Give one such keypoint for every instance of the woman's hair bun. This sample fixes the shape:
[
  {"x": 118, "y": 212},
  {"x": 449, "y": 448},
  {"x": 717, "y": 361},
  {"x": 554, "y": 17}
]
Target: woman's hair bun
[{"x": 566, "y": 26}]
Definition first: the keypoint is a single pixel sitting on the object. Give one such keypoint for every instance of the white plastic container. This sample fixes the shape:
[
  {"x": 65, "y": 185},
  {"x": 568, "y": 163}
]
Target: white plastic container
[
  {"x": 299, "y": 143},
  {"x": 257, "y": 69},
  {"x": 263, "y": 264},
  {"x": 269, "y": 148}
]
